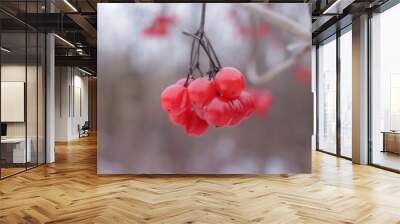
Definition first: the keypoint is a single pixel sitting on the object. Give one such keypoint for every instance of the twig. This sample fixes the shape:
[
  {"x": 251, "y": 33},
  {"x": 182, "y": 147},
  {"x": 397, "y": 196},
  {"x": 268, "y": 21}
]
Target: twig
[
  {"x": 203, "y": 46},
  {"x": 212, "y": 51},
  {"x": 202, "y": 41},
  {"x": 278, "y": 20},
  {"x": 275, "y": 71}
]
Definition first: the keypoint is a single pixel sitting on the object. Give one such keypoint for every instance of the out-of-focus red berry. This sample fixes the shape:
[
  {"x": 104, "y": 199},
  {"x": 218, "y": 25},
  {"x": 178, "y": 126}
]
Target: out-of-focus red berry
[
  {"x": 156, "y": 31},
  {"x": 160, "y": 26},
  {"x": 262, "y": 101},
  {"x": 201, "y": 91},
  {"x": 175, "y": 99},
  {"x": 165, "y": 20},
  {"x": 302, "y": 75},
  {"x": 261, "y": 30},
  {"x": 229, "y": 82}
]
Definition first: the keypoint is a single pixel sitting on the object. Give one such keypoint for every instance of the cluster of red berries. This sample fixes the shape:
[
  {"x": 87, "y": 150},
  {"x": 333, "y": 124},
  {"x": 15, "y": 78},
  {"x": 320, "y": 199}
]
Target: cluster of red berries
[
  {"x": 160, "y": 26},
  {"x": 220, "y": 102}
]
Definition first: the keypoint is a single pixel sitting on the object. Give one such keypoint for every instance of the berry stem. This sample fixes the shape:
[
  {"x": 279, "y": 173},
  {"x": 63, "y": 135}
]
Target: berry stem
[
  {"x": 190, "y": 72},
  {"x": 213, "y": 51},
  {"x": 201, "y": 40},
  {"x": 203, "y": 46},
  {"x": 203, "y": 17}
]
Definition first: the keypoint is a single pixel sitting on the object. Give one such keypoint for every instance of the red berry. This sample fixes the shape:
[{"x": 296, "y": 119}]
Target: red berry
[
  {"x": 164, "y": 19},
  {"x": 195, "y": 125},
  {"x": 229, "y": 82},
  {"x": 262, "y": 102},
  {"x": 180, "y": 119},
  {"x": 160, "y": 26},
  {"x": 248, "y": 102},
  {"x": 218, "y": 112},
  {"x": 201, "y": 91},
  {"x": 156, "y": 31},
  {"x": 175, "y": 99},
  {"x": 238, "y": 112},
  {"x": 302, "y": 75},
  {"x": 199, "y": 111}
]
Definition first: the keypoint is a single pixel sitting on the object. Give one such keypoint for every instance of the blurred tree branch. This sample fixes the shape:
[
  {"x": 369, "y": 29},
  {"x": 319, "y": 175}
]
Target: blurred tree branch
[
  {"x": 281, "y": 22},
  {"x": 278, "y": 20},
  {"x": 276, "y": 70}
]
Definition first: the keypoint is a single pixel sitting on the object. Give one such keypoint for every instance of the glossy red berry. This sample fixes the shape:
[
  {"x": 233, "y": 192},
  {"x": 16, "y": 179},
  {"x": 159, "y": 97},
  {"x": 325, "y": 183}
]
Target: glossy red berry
[
  {"x": 199, "y": 111},
  {"x": 218, "y": 112},
  {"x": 238, "y": 112},
  {"x": 195, "y": 125},
  {"x": 247, "y": 101},
  {"x": 180, "y": 119},
  {"x": 201, "y": 91},
  {"x": 229, "y": 82},
  {"x": 175, "y": 99}
]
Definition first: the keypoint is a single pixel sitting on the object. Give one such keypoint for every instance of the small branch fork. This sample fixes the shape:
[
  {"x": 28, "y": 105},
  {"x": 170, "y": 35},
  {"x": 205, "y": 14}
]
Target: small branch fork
[
  {"x": 277, "y": 69},
  {"x": 201, "y": 41}
]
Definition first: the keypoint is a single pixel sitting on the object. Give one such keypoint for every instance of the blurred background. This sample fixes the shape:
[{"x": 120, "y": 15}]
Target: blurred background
[
  {"x": 259, "y": 37},
  {"x": 269, "y": 43}
]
